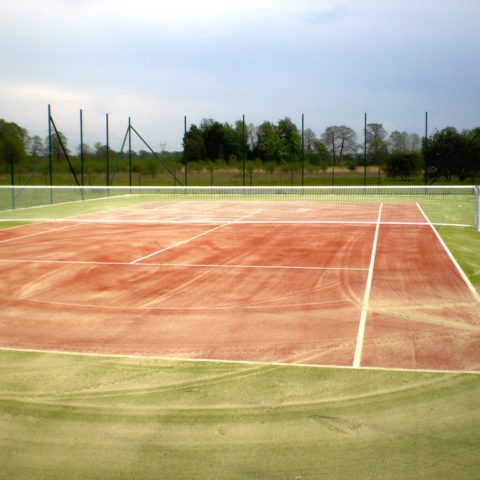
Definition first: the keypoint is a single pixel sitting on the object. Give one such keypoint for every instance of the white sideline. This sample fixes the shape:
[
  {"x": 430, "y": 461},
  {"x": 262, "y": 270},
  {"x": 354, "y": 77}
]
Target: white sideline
[
  {"x": 192, "y": 238},
  {"x": 366, "y": 297},
  {"x": 182, "y": 265},
  {"x": 469, "y": 284}
]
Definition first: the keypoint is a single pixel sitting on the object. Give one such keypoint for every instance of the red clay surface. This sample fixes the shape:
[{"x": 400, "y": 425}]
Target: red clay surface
[
  {"x": 421, "y": 313},
  {"x": 259, "y": 292}
]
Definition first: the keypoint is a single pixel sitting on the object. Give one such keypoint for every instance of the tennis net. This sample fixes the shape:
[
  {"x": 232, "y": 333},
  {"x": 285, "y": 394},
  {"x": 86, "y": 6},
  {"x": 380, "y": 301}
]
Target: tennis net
[{"x": 439, "y": 205}]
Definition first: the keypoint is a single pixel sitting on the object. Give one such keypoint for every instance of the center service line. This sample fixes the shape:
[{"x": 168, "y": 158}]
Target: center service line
[
  {"x": 192, "y": 238},
  {"x": 366, "y": 297}
]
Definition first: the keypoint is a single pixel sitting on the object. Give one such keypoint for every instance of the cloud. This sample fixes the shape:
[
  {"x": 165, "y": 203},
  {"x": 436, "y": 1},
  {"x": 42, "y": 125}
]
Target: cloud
[{"x": 328, "y": 16}]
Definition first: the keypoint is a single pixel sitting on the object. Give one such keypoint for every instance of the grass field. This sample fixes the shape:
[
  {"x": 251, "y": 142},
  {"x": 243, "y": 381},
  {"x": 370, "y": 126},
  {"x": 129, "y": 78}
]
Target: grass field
[
  {"x": 91, "y": 417},
  {"x": 79, "y": 417}
]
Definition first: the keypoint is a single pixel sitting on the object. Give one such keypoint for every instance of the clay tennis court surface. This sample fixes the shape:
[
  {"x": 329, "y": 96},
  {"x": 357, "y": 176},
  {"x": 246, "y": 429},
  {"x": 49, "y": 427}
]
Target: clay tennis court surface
[{"x": 372, "y": 291}]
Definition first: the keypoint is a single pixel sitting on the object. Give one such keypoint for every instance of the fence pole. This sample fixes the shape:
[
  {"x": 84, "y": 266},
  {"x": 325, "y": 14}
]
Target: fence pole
[
  {"x": 303, "y": 149},
  {"x": 50, "y": 170},
  {"x": 477, "y": 208},
  {"x": 81, "y": 149},
  {"x": 185, "y": 162},
  {"x": 425, "y": 147},
  {"x": 12, "y": 180},
  {"x": 108, "y": 157},
  {"x": 244, "y": 153},
  {"x": 365, "y": 150},
  {"x": 129, "y": 154}
]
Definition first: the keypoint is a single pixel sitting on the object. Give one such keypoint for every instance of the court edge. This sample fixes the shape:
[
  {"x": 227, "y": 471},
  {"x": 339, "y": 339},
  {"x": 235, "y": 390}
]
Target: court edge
[{"x": 236, "y": 362}]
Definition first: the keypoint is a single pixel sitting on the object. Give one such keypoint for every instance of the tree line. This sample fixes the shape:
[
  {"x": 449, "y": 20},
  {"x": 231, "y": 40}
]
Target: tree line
[
  {"x": 446, "y": 153},
  {"x": 283, "y": 142}
]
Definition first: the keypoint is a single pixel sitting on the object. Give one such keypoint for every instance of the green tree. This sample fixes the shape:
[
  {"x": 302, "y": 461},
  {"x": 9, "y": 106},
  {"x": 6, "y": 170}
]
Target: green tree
[
  {"x": 340, "y": 140},
  {"x": 403, "y": 164},
  {"x": 37, "y": 148},
  {"x": 397, "y": 141},
  {"x": 213, "y": 134},
  {"x": 57, "y": 151},
  {"x": 376, "y": 144},
  {"x": 12, "y": 146},
  {"x": 291, "y": 141},
  {"x": 269, "y": 144},
  {"x": 194, "y": 145},
  {"x": 451, "y": 153},
  {"x": 414, "y": 143}
]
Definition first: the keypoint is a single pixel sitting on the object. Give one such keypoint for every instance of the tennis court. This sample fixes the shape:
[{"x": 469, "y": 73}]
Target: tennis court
[{"x": 348, "y": 279}]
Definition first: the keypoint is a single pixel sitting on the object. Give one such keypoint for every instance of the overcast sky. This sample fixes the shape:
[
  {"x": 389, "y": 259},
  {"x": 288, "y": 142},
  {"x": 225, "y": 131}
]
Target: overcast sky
[{"x": 157, "y": 61}]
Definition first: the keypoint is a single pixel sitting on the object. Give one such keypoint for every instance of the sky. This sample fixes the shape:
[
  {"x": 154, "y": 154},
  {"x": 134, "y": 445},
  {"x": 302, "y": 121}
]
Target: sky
[{"x": 158, "y": 61}]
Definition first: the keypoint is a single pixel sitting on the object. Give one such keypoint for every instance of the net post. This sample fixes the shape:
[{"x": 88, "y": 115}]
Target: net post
[{"x": 477, "y": 208}]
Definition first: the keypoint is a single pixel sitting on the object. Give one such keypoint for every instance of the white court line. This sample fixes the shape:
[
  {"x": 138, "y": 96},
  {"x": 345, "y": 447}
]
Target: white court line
[
  {"x": 366, "y": 297},
  {"x": 211, "y": 221},
  {"x": 192, "y": 238},
  {"x": 182, "y": 265},
  {"x": 233, "y": 362},
  {"x": 70, "y": 225},
  {"x": 469, "y": 284}
]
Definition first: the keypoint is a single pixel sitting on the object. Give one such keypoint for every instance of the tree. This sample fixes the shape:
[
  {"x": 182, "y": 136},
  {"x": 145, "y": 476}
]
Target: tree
[
  {"x": 269, "y": 144},
  {"x": 397, "y": 141},
  {"x": 194, "y": 145},
  {"x": 450, "y": 153},
  {"x": 57, "y": 150},
  {"x": 376, "y": 145},
  {"x": 309, "y": 140},
  {"x": 36, "y": 147},
  {"x": 232, "y": 141},
  {"x": 340, "y": 140},
  {"x": 413, "y": 142},
  {"x": 12, "y": 146},
  {"x": 252, "y": 137},
  {"x": 291, "y": 142},
  {"x": 213, "y": 134},
  {"x": 318, "y": 155},
  {"x": 403, "y": 164}
]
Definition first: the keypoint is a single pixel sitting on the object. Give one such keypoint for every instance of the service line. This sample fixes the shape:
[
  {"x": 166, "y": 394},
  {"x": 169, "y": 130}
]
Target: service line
[
  {"x": 183, "y": 242},
  {"x": 183, "y": 265},
  {"x": 366, "y": 297},
  {"x": 70, "y": 225}
]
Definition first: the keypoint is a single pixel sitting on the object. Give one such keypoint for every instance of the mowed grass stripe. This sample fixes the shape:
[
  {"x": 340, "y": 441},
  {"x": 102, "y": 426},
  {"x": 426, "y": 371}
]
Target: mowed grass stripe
[{"x": 67, "y": 416}]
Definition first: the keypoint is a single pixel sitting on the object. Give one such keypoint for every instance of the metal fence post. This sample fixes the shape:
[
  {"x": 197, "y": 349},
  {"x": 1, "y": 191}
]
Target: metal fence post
[{"x": 477, "y": 208}]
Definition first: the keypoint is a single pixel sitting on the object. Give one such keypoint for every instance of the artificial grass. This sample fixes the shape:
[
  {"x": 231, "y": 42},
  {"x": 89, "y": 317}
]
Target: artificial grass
[
  {"x": 464, "y": 243},
  {"x": 68, "y": 416},
  {"x": 87, "y": 417}
]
